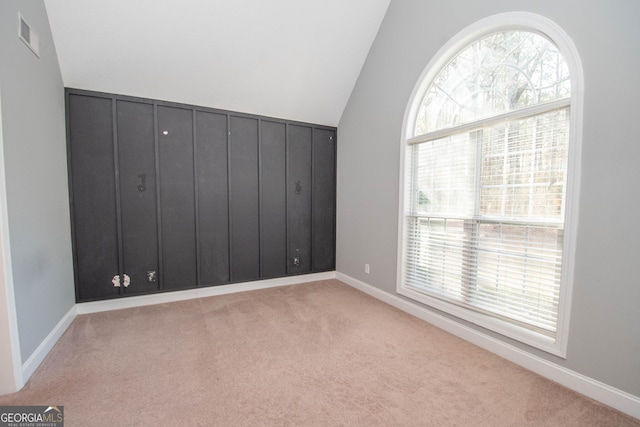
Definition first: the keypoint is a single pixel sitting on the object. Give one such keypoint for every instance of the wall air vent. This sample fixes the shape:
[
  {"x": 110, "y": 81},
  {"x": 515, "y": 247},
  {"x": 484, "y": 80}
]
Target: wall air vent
[{"x": 28, "y": 36}]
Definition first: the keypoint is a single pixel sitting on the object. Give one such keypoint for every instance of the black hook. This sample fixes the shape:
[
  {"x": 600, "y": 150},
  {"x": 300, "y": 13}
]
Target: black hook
[{"x": 143, "y": 179}]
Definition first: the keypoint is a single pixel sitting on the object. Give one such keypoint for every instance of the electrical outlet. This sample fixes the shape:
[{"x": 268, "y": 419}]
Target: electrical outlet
[{"x": 367, "y": 269}]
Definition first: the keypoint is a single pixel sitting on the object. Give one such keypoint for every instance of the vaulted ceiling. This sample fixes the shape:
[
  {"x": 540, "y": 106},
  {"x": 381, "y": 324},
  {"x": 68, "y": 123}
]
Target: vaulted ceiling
[{"x": 293, "y": 59}]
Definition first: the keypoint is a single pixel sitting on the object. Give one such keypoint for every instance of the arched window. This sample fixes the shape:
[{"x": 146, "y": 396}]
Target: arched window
[{"x": 490, "y": 179}]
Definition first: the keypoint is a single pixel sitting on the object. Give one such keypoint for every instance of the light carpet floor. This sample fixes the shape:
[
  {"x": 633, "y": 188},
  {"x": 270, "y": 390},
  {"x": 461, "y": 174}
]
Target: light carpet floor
[{"x": 317, "y": 354}]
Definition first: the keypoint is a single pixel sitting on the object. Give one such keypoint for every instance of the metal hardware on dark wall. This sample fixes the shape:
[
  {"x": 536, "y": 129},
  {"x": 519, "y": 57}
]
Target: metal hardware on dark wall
[
  {"x": 143, "y": 179},
  {"x": 173, "y": 196},
  {"x": 151, "y": 276}
]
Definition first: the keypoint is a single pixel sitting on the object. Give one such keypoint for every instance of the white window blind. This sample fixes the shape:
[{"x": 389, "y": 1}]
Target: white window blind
[
  {"x": 486, "y": 226},
  {"x": 486, "y": 182}
]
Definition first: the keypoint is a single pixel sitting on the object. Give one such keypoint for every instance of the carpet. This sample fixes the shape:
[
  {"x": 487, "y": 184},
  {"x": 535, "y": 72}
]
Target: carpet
[{"x": 314, "y": 354}]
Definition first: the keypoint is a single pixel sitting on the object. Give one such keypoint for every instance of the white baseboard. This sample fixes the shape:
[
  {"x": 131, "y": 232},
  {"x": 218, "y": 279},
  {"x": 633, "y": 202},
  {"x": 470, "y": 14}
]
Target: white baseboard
[
  {"x": 36, "y": 358},
  {"x": 166, "y": 297},
  {"x": 618, "y": 399}
]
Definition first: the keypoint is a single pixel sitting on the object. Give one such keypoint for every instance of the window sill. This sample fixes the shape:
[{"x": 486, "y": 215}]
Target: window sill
[{"x": 520, "y": 334}]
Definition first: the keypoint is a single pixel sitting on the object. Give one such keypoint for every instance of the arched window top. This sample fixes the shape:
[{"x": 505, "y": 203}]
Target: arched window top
[{"x": 501, "y": 72}]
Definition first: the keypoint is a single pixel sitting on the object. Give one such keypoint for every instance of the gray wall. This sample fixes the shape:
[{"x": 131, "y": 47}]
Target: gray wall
[
  {"x": 604, "y": 341},
  {"x": 33, "y": 125}
]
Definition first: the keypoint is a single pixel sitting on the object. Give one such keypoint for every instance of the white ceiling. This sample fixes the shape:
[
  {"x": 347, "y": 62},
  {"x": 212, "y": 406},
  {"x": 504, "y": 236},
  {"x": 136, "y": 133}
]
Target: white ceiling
[{"x": 293, "y": 59}]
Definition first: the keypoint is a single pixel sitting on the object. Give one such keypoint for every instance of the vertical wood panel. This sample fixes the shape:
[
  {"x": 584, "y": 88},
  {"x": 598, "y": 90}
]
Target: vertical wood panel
[
  {"x": 213, "y": 197},
  {"x": 324, "y": 200},
  {"x": 273, "y": 237},
  {"x": 244, "y": 198},
  {"x": 93, "y": 196},
  {"x": 136, "y": 153},
  {"x": 177, "y": 197},
  {"x": 299, "y": 199}
]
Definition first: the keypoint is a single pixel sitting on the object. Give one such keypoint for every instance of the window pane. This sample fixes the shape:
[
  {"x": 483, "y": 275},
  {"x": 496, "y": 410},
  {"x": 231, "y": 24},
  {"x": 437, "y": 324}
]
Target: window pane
[
  {"x": 436, "y": 248},
  {"x": 524, "y": 166},
  {"x": 499, "y": 73},
  {"x": 519, "y": 269},
  {"x": 445, "y": 175}
]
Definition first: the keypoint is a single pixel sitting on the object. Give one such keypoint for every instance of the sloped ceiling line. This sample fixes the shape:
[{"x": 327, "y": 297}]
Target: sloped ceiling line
[{"x": 293, "y": 59}]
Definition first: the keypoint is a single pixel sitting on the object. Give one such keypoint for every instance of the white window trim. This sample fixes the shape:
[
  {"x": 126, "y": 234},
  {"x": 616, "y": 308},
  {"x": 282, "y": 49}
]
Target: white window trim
[{"x": 501, "y": 22}]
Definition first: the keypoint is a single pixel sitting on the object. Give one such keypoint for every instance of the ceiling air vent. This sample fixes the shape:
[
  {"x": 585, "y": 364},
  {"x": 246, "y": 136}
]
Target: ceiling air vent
[{"x": 28, "y": 36}]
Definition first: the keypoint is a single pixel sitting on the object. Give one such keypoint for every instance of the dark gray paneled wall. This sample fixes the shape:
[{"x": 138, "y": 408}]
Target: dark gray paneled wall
[
  {"x": 244, "y": 199},
  {"x": 138, "y": 191},
  {"x": 324, "y": 199},
  {"x": 273, "y": 199},
  {"x": 604, "y": 342},
  {"x": 299, "y": 204},
  {"x": 93, "y": 194},
  {"x": 194, "y": 196},
  {"x": 213, "y": 201},
  {"x": 177, "y": 198}
]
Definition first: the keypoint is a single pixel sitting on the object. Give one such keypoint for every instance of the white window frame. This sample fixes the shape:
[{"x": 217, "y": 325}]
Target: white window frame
[{"x": 523, "y": 21}]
